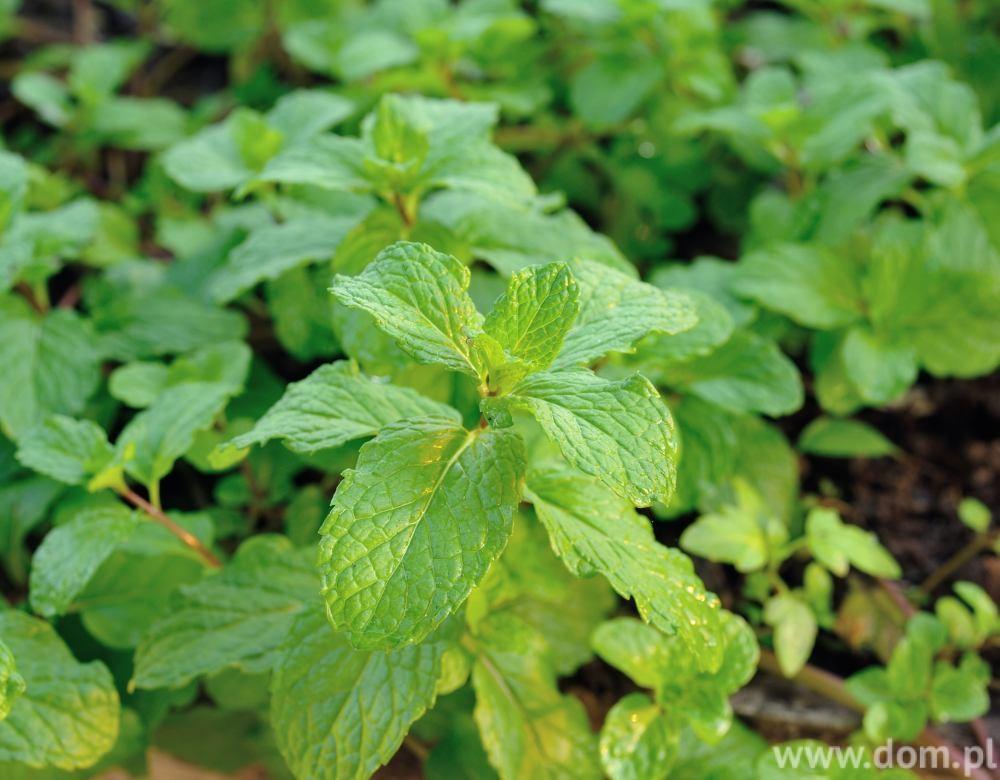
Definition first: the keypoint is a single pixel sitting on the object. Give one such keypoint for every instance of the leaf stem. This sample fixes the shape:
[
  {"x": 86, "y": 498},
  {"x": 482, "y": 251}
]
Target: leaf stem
[
  {"x": 979, "y": 543},
  {"x": 158, "y": 515}
]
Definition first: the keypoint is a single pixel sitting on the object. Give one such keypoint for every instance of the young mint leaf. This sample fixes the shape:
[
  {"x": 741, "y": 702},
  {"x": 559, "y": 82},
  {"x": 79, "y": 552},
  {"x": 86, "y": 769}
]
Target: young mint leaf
[
  {"x": 714, "y": 327},
  {"x": 66, "y": 449},
  {"x": 48, "y": 365},
  {"x": 339, "y": 712},
  {"x": 531, "y": 319},
  {"x": 794, "y": 631},
  {"x": 662, "y": 663},
  {"x": 879, "y": 369},
  {"x": 960, "y": 693},
  {"x": 748, "y": 373},
  {"x": 529, "y": 728},
  {"x": 156, "y": 437},
  {"x": 236, "y": 618},
  {"x": 511, "y": 237},
  {"x": 836, "y": 545},
  {"x": 834, "y": 437},
  {"x": 134, "y": 323},
  {"x": 745, "y": 533},
  {"x": 616, "y": 310},
  {"x": 638, "y": 740},
  {"x": 329, "y": 161},
  {"x": 814, "y": 286},
  {"x": 335, "y": 404},
  {"x": 619, "y": 432},
  {"x": 47, "y": 725},
  {"x": 592, "y": 529},
  {"x": 397, "y": 557},
  {"x": 71, "y": 553},
  {"x": 11, "y": 682},
  {"x": 140, "y": 384},
  {"x": 273, "y": 249},
  {"x": 418, "y": 296}
]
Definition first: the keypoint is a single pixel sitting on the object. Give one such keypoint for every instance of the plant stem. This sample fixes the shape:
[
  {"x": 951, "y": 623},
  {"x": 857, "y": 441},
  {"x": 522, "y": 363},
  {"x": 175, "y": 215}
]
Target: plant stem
[
  {"x": 979, "y": 543},
  {"x": 158, "y": 515},
  {"x": 832, "y": 687}
]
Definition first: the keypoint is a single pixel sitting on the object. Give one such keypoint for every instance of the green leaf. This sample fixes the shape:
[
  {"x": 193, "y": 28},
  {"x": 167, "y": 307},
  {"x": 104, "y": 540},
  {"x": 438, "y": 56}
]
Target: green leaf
[
  {"x": 836, "y": 545},
  {"x": 156, "y": 437},
  {"x": 662, "y": 663},
  {"x": 418, "y": 296},
  {"x": 48, "y": 365},
  {"x": 224, "y": 364},
  {"x": 273, "y": 249},
  {"x": 71, "y": 553},
  {"x": 236, "y": 618},
  {"x": 132, "y": 587},
  {"x": 530, "y": 581},
  {"x": 835, "y": 437},
  {"x": 11, "y": 683},
  {"x": 335, "y": 404},
  {"x": 531, "y": 319},
  {"x": 593, "y": 530},
  {"x": 610, "y": 88},
  {"x": 67, "y": 716},
  {"x": 616, "y": 310},
  {"x": 713, "y": 329},
  {"x": 745, "y": 533},
  {"x": 961, "y": 693},
  {"x": 341, "y": 713},
  {"x": 880, "y": 370},
  {"x": 398, "y": 557},
  {"x": 813, "y": 285},
  {"x": 619, "y": 432},
  {"x": 136, "y": 324},
  {"x": 748, "y": 373},
  {"x": 975, "y": 514},
  {"x": 794, "y": 631},
  {"x": 529, "y": 728},
  {"x": 65, "y": 449},
  {"x": 638, "y": 742},
  {"x": 327, "y": 161}
]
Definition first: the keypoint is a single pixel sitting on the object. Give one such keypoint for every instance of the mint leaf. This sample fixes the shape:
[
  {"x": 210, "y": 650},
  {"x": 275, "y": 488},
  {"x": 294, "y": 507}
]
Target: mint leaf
[
  {"x": 65, "y": 449},
  {"x": 71, "y": 553},
  {"x": 745, "y": 533},
  {"x": 813, "y": 285},
  {"x": 48, "y": 365},
  {"x": 338, "y": 712},
  {"x": 619, "y": 432},
  {"x": 682, "y": 689},
  {"x": 637, "y": 740},
  {"x": 836, "y": 545},
  {"x": 592, "y": 529},
  {"x": 616, "y": 310},
  {"x": 529, "y": 728},
  {"x": 794, "y": 631},
  {"x": 418, "y": 296},
  {"x": 748, "y": 373},
  {"x": 335, "y": 404},
  {"x": 834, "y": 437},
  {"x": 47, "y": 726},
  {"x": 236, "y": 618},
  {"x": 11, "y": 682},
  {"x": 273, "y": 249},
  {"x": 531, "y": 319},
  {"x": 398, "y": 557},
  {"x": 156, "y": 437}
]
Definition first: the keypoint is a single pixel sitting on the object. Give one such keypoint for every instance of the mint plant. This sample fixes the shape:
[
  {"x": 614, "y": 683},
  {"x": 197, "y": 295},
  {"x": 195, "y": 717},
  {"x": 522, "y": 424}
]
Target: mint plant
[{"x": 494, "y": 389}]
